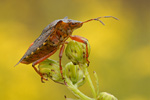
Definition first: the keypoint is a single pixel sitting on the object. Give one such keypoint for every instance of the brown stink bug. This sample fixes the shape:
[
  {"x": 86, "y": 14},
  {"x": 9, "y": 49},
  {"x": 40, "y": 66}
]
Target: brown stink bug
[{"x": 54, "y": 35}]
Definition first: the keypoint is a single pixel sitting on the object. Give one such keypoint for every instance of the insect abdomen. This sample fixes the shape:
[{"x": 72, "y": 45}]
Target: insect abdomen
[{"x": 40, "y": 52}]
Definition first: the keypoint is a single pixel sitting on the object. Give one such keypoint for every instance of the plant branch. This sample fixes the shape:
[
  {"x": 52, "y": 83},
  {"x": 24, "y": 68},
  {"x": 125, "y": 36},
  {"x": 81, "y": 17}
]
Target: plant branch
[{"x": 76, "y": 91}]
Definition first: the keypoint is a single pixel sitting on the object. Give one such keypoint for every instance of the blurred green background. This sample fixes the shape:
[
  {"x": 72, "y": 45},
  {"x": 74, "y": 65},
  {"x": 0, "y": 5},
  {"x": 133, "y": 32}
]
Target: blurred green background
[{"x": 120, "y": 50}]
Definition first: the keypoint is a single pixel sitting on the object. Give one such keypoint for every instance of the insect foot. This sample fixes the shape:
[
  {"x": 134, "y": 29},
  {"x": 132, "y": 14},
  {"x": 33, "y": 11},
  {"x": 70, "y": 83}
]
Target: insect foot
[{"x": 76, "y": 52}]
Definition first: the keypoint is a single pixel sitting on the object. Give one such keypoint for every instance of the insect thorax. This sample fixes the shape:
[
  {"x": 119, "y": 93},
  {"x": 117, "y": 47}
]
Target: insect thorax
[{"x": 60, "y": 35}]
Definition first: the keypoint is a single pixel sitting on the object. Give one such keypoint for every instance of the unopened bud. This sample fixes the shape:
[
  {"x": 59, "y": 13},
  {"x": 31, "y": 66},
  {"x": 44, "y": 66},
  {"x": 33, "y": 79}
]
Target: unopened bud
[
  {"x": 76, "y": 52},
  {"x": 50, "y": 69},
  {"x": 75, "y": 74},
  {"x": 106, "y": 96}
]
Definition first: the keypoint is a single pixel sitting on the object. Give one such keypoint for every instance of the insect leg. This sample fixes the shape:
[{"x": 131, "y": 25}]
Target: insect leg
[
  {"x": 66, "y": 42},
  {"x": 60, "y": 56},
  {"x": 39, "y": 74},
  {"x": 82, "y": 40},
  {"x": 40, "y": 60}
]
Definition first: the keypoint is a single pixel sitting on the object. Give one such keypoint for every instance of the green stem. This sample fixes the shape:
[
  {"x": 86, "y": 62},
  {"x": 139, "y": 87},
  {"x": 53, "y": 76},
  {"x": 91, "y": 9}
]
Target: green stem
[
  {"x": 77, "y": 92},
  {"x": 97, "y": 82},
  {"x": 88, "y": 78}
]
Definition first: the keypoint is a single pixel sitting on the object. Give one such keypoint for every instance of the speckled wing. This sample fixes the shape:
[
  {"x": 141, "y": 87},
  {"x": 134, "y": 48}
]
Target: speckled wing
[{"x": 41, "y": 39}]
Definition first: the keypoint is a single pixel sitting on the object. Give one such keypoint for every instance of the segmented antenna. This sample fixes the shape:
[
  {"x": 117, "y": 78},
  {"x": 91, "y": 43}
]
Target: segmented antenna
[{"x": 98, "y": 19}]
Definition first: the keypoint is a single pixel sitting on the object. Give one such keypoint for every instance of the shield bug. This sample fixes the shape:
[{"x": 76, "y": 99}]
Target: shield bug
[{"x": 51, "y": 38}]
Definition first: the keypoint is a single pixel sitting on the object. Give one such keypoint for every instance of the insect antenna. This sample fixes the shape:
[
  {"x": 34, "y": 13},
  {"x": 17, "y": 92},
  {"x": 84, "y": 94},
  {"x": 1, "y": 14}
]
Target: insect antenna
[{"x": 98, "y": 19}]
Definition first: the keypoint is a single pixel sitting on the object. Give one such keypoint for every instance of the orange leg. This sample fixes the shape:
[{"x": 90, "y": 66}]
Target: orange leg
[
  {"x": 40, "y": 60},
  {"x": 60, "y": 56},
  {"x": 82, "y": 40}
]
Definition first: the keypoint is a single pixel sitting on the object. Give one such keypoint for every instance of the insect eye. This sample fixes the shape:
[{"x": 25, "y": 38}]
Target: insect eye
[{"x": 73, "y": 24}]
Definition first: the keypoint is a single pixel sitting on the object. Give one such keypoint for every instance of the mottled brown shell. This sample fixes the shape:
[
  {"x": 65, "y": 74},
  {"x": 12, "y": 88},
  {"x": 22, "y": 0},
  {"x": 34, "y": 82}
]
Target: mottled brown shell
[{"x": 50, "y": 39}]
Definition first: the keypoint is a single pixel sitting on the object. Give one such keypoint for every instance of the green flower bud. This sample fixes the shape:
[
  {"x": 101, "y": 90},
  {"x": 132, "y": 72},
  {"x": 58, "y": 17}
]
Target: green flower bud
[
  {"x": 50, "y": 69},
  {"x": 76, "y": 52},
  {"x": 75, "y": 74},
  {"x": 106, "y": 96}
]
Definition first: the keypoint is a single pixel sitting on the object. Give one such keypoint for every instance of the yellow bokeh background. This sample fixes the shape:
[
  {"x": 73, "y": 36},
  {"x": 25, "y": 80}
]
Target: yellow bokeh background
[{"x": 120, "y": 50}]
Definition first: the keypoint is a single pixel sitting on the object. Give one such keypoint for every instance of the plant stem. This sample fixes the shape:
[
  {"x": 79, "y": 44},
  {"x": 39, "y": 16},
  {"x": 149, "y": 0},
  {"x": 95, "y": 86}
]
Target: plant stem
[
  {"x": 97, "y": 83},
  {"x": 77, "y": 92},
  {"x": 88, "y": 78}
]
